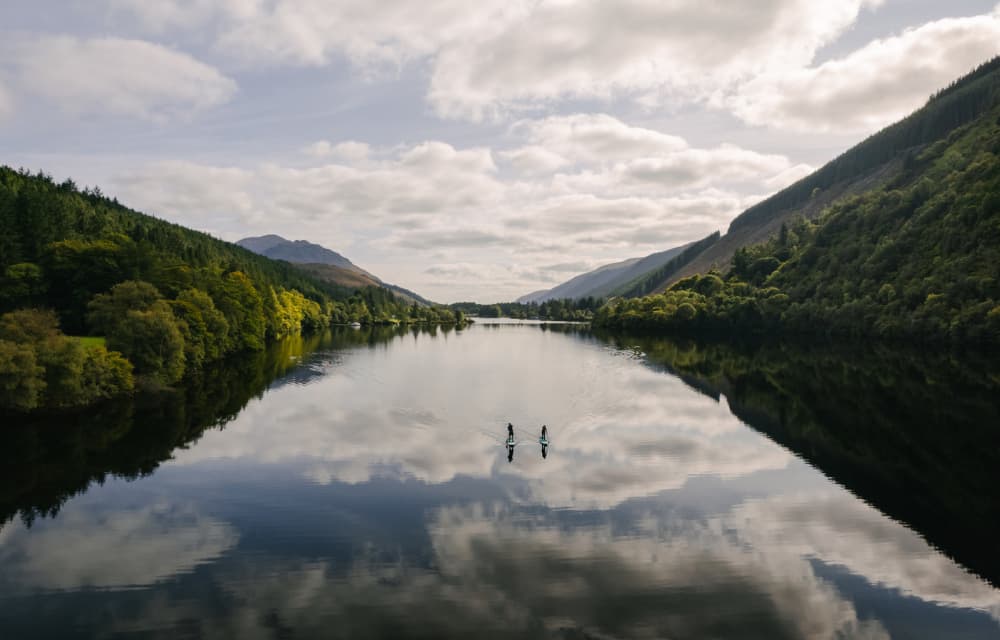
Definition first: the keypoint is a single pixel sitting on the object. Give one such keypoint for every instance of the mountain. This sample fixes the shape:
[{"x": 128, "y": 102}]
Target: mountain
[
  {"x": 871, "y": 164},
  {"x": 260, "y": 244},
  {"x": 910, "y": 250},
  {"x": 324, "y": 264},
  {"x": 650, "y": 280},
  {"x": 344, "y": 277},
  {"x": 296, "y": 251},
  {"x": 605, "y": 280}
]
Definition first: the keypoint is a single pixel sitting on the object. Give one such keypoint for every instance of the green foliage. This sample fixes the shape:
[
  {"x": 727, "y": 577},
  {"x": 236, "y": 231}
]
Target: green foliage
[
  {"x": 205, "y": 328},
  {"x": 42, "y": 367},
  {"x": 29, "y": 326},
  {"x": 916, "y": 259},
  {"x": 171, "y": 299},
  {"x": 139, "y": 323},
  {"x": 21, "y": 379},
  {"x": 243, "y": 308},
  {"x": 22, "y": 285},
  {"x": 106, "y": 374},
  {"x": 580, "y": 309},
  {"x": 109, "y": 309},
  {"x": 152, "y": 342},
  {"x": 91, "y": 342},
  {"x": 376, "y": 305}
]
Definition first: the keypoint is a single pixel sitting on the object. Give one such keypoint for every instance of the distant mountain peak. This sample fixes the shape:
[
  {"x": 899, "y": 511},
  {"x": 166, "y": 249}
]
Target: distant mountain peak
[
  {"x": 607, "y": 279},
  {"x": 297, "y": 251},
  {"x": 260, "y": 244},
  {"x": 317, "y": 260}
]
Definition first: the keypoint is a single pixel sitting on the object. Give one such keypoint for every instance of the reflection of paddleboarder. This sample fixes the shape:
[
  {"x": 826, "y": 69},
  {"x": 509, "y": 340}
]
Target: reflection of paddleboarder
[{"x": 510, "y": 442}]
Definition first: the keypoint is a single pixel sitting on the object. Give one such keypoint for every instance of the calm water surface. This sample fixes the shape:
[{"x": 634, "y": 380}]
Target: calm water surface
[{"x": 357, "y": 486}]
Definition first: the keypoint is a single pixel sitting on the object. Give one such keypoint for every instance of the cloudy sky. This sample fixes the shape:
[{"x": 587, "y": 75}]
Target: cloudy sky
[{"x": 465, "y": 154}]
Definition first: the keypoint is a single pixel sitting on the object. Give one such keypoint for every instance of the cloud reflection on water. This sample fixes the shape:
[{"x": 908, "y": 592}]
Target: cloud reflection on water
[
  {"x": 436, "y": 412},
  {"x": 127, "y": 548}
]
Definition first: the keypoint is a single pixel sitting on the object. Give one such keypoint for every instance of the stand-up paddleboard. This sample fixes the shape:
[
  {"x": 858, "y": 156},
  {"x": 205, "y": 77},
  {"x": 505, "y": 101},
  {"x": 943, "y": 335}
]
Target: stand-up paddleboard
[
  {"x": 511, "y": 442},
  {"x": 543, "y": 441}
]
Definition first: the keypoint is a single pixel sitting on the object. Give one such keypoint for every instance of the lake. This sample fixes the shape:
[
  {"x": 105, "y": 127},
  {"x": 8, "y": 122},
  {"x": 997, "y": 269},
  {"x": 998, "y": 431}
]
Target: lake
[{"x": 357, "y": 485}]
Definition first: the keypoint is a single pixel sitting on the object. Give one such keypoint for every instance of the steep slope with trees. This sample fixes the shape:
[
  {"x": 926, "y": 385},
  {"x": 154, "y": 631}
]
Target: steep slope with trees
[
  {"x": 873, "y": 163},
  {"x": 917, "y": 258}
]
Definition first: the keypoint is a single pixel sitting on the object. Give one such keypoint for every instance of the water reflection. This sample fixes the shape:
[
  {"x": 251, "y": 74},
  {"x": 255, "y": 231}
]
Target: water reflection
[
  {"x": 913, "y": 433},
  {"x": 354, "y": 486},
  {"x": 126, "y": 548}
]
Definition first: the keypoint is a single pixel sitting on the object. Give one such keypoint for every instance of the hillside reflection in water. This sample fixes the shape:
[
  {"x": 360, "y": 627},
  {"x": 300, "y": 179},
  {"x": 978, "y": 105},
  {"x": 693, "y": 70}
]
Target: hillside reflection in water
[{"x": 357, "y": 485}]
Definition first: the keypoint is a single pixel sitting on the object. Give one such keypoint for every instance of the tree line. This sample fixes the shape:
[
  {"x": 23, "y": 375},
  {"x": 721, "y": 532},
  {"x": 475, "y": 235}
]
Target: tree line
[
  {"x": 568, "y": 309},
  {"x": 166, "y": 299}
]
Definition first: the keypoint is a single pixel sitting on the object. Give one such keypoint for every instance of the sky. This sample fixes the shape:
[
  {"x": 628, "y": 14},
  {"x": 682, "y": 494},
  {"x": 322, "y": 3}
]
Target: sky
[{"x": 466, "y": 151}]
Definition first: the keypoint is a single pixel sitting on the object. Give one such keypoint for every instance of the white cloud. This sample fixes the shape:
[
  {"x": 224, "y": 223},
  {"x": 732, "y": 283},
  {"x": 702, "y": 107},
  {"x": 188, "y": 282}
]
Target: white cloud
[
  {"x": 351, "y": 151},
  {"x": 203, "y": 197},
  {"x": 425, "y": 179},
  {"x": 120, "y": 549},
  {"x": 629, "y": 160},
  {"x": 505, "y": 57},
  {"x": 534, "y": 159},
  {"x": 590, "y": 49},
  {"x": 114, "y": 76},
  {"x": 315, "y": 32},
  {"x": 319, "y": 149},
  {"x": 595, "y": 138},
  {"x": 575, "y": 191},
  {"x": 873, "y": 86},
  {"x": 584, "y": 221}
]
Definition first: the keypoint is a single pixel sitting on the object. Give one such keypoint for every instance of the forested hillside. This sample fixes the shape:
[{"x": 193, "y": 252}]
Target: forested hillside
[
  {"x": 159, "y": 300},
  {"x": 871, "y": 164},
  {"x": 917, "y": 258}
]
